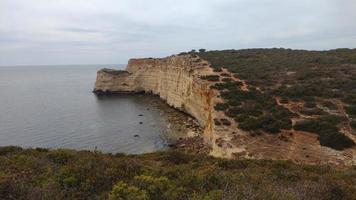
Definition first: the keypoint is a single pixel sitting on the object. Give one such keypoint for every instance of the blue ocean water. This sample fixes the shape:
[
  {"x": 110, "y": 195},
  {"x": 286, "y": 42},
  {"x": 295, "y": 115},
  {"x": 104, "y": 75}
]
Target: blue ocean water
[{"x": 54, "y": 107}]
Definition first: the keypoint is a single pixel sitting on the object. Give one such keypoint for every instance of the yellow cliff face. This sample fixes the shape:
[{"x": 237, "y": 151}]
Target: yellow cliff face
[{"x": 175, "y": 79}]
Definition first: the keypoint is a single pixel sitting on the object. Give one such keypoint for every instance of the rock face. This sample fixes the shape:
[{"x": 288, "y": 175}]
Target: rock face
[{"x": 175, "y": 79}]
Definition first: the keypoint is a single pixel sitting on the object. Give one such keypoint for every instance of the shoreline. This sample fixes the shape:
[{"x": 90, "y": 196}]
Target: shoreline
[{"x": 183, "y": 132}]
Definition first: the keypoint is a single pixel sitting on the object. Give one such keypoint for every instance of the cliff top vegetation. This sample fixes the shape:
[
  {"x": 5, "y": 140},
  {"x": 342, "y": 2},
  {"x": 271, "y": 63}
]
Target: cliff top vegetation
[{"x": 315, "y": 88}]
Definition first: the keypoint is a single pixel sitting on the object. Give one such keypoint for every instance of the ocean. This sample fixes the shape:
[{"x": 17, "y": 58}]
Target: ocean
[{"x": 54, "y": 107}]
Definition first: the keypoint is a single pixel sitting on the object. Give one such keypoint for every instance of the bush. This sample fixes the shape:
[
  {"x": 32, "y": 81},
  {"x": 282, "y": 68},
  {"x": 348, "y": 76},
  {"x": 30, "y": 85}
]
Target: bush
[
  {"x": 217, "y": 122},
  {"x": 213, "y": 78},
  {"x": 9, "y": 150},
  {"x": 176, "y": 157},
  {"x": 226, "y": 80},
  {"x": 60, "y": 156},
  {"x": 353, "y": 124},
  {"x": 70, "y": 182},
  {"x": 332, "y": 119},
  {"x": 284, "y": 100},
  {"x": 158, "y": 187},
  {"x": 221, "y": 106},
  {"x": 202, "y": 50},
  {"x": 336, "y": 140},
  {"x": 351, "y": 110},
  {"x": 211, "y": 195},
  {"x": 328, "y": 133},
  {"x": 122, "y": 191},
  {"x": 225, "y": 74},
  {"x": 232, "y": 86},
  {"x": 310, "y": 104},
  {"x": 312, "y": 111},
  {"x": 269, "y": 124},
  {"x": 217, "y": 70},
  {"x": 225, "y": 122},
  {"x": 249, "y": 124}
]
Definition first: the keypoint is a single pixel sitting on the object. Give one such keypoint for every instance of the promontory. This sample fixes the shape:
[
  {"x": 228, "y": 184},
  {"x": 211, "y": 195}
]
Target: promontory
[{"x": 278, "y": 104}]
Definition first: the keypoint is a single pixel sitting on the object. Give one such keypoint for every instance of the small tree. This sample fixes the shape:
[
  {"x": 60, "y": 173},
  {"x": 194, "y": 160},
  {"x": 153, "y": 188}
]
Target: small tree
[{"x": 202, "y": 50}]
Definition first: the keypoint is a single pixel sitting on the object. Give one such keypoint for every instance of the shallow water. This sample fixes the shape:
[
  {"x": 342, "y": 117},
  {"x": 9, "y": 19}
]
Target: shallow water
[{"x": 54, "y": 107}]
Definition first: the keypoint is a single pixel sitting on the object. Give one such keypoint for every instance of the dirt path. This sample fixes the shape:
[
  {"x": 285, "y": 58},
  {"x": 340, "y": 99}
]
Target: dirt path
[{"x": 244, "y": 85}]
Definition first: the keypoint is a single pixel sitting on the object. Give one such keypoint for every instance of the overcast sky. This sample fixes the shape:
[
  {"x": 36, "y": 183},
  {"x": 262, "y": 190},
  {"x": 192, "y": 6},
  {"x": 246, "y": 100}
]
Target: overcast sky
[{"x": 112, "y": 31}]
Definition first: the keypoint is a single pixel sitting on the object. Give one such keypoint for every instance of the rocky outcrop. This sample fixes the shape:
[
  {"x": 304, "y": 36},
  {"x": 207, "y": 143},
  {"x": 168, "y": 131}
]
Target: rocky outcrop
[{"x": 175, "y": 79}]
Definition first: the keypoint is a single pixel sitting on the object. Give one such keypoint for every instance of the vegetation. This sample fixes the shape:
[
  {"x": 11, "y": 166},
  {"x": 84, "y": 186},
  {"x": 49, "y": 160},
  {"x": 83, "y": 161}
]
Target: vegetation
[
  {"x": 329, "y": 105},
  {"x": 351, "y": 110},
  {"x": 326, "y": 128},
  {"x": 353, "y": 124},
  {"x": 66, "y": 174},
  {"x": 217, "y": 70},
  {"x": 217, "y": 122},
  {"x": 211, "y": 78},
  {"x": 225, "y": 122},
  {"x": 202, "y": 50},
  {"x": 221, "y": 106},
  {"x": 314, "y": 78},
  {"x": 252, "y": 109}
]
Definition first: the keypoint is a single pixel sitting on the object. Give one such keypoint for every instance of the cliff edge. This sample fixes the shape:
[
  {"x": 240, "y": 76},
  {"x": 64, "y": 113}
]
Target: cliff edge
[{"x": 175, "y": 79}]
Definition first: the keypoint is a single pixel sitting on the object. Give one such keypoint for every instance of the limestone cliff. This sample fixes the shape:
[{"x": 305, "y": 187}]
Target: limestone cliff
[{"x": 175, "y": 79}]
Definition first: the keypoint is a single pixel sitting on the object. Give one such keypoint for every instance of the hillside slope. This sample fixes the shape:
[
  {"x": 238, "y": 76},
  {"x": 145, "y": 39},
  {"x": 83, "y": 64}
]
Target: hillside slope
[
  {"x": 290, "y": 91},
  {"x": 65, "y": 174}
]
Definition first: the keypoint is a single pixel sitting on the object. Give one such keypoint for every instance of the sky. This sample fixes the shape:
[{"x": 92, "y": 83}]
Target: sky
[{"x": 112, "y": 31}]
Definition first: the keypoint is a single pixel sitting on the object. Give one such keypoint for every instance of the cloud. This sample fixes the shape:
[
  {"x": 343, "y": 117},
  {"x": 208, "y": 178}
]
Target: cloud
[{"x": 104, "y": 31}]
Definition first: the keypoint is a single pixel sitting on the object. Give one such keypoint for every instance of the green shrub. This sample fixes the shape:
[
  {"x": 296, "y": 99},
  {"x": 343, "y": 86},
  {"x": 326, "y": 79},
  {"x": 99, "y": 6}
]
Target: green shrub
[
  {"x": 159, "y": 187},
  {"x": 310, "y": 104},
  {"x": 41, "y": 149},
  {"x": 217, "y": 70},
  {"x": 350, "y": 98},
  {"x": 335, "y": 140},
  {"x": 9, "y": 149},
  {"x": 176, "y": 157},
  {"x": 332, "y": 119},
  {"x": 226, "y": 80},
  {"x": 70, "y": 182},
  {"x": 312, "y": 111},
  {"x": 217, "y": 122},
  {"x": 353, "y": 124},
  {"x": 284, "y": 100},
  {"x": 221, "y": 106},
  {"x": 329, "y": 134},
  {"x": 269, "y": 124},
  {"x": 249, "y": 124},
  {"x": 351, "y": 110},
  {"x": 212, "y": 78},
  {"x": 232, "y": 86},
  {"x": 211, "y": 195},
  {"x": 60, "y": 156},
  {"x": 225, "y": 122},
  {"x": 122, "y": 191},
  {"x": 225, "y": 74}
]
